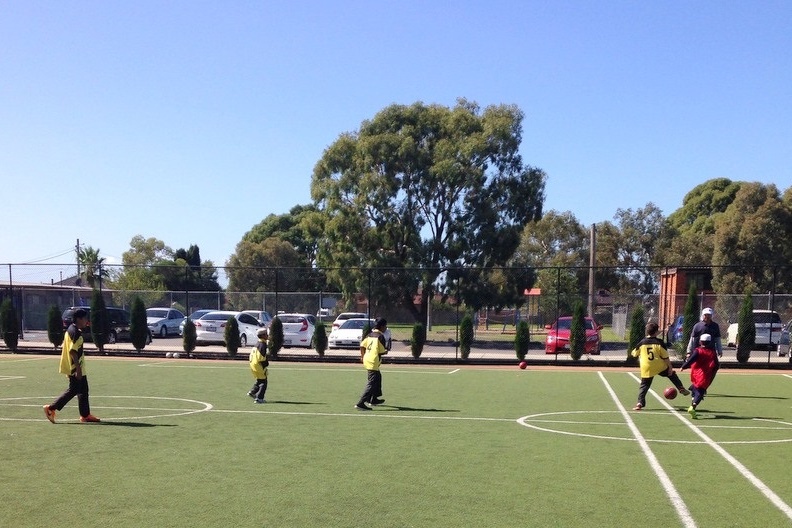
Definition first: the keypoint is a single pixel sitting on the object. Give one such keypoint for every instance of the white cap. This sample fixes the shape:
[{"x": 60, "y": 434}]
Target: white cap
[
  {"x": 706, "y": 311},
  {"x": 705, "y": 338}
]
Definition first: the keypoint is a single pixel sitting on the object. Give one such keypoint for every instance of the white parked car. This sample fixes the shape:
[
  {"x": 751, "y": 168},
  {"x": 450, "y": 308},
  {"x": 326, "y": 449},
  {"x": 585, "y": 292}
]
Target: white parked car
[
  {"x": 298, "y": 329},
  {"x": 347, "y": 315},
  {"x": 264, "y": 318},
  {"x": 210, "y": 328},
  {"x": 783, "y": 341},
  {"x": 768, "y": 330},
  {"x": 164, "y": 321},
  {"x": 350, "y": 334},
  {"x": 197, "y": 314}
]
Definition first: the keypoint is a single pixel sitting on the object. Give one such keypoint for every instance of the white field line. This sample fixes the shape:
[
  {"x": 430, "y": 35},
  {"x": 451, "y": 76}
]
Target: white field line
[
  {"x": 366, "y": 415},
  {"x": 741, "y": 469},
  {"x": 671, "y": 491},
  {"x": 244, "y": 366},
  {"x": 24, "y": 360}
]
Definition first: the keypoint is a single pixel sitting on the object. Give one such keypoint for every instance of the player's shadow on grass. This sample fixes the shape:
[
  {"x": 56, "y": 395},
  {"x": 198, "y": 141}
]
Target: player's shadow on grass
[
  {"x": 296, "y": 402},
  {"x": 727, "y": 415},
  {"x": 132, "y": 424},
  {"x": 414, "y": 409},
  {"x": 748, "y": 396}
]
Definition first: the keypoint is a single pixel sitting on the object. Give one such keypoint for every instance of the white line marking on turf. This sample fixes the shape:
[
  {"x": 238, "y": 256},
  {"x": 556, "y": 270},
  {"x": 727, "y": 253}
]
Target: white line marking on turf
[
  {"x": 741, "y": 469},
  {"x": 169, "y": 412},
  {"x": 366, "y": 415},
  {"x": 454, "y": 371},
  {"x": 276, "y": 368},
  {"x": 7, "y": 378},
  {"x": 24, "y": 360},
  {"x": 673, "y": 495}
]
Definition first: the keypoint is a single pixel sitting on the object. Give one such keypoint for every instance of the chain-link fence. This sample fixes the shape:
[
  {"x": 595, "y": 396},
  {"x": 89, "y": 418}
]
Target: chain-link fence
[{"x": 497, "y": 298}]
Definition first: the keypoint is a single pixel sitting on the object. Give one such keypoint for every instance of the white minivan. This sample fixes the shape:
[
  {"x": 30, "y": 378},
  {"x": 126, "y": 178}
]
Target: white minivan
[{"x": 768, "y": 330}]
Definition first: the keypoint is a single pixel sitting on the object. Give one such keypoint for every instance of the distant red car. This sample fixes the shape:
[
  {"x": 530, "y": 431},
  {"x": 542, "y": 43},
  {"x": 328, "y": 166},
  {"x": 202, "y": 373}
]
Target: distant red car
[{"x": 557, "y": 340}]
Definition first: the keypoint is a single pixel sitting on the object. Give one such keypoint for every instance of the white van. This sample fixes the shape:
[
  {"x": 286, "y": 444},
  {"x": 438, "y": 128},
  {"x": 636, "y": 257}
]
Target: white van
[{"x": 768, "y": 330}]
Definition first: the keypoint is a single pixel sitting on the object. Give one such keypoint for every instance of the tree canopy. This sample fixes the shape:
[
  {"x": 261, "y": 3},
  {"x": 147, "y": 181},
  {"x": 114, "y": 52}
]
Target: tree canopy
[
  {"x": 751, "y": 238},
  {"x": 151, "y": 265},
  {"x": 426, "y": 187}
]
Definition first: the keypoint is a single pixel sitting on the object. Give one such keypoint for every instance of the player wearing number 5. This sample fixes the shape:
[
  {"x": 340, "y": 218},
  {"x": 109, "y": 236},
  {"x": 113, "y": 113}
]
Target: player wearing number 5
[
  {"x": 654, "y": 362},
  {"x": 372, "y": 348}
]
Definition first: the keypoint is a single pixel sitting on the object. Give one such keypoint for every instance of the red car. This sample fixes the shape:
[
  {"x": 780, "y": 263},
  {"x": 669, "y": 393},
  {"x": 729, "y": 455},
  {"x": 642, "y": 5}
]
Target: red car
[{"x": 557, "y": 341}]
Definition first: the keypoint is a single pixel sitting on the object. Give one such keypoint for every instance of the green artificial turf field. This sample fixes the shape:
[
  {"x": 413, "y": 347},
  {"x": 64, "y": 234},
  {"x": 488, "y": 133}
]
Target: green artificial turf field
[{"x": 180, "y": 444}]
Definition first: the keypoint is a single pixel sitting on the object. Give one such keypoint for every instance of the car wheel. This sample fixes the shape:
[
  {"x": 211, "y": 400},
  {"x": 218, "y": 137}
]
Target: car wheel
[
  {"x": 163, "y": 331},
  {"x": 111, "y": 338},
  {"x": 148, "y": 338},
  {"x": 243, "y": 340}
]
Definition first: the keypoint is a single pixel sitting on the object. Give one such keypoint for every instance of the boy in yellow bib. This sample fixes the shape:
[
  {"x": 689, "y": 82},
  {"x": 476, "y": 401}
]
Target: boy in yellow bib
[
  {"x": 654, "y": 362},
  {"x": 372, "y": 348},
  {"x": 258, "y": 366},
  {"x": 72, "y": 364}
]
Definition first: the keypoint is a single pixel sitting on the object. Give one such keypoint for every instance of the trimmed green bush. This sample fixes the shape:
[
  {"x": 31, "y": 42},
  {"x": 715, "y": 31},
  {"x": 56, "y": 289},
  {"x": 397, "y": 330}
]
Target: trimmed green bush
[
  {"x": 231, "y": 336},
  {"x": 9, "y": 324},
  {"x": 275, "y": 337},
  {"x": 577, "y": 332},
  {"x": 746, "y": 329},
  {"x": 320, "y": 339},
  {"x": 418, "y": 340},
  {"x": 55, "y": 326},
  {"x": 637, "y": 332},
  {"x": 691, "y": 316},
  {"x": 100, "y": 326},
  {"x": 138, "y": 327},
  {"x": 465, "y": 336},
  {"x": 189, "y": 340},
  {"x": 522, "y": 339}
]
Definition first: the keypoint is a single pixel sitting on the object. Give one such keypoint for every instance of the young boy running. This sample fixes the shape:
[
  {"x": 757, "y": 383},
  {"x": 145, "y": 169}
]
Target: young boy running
[
  {"x": 703, "y": 363},
  {"x": 258, "y": 366},
  {"x": 654, "y": 362}
]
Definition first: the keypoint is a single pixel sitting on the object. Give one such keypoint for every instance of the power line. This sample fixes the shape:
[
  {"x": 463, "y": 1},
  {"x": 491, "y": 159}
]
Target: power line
[{"x": 43, "y": 259}]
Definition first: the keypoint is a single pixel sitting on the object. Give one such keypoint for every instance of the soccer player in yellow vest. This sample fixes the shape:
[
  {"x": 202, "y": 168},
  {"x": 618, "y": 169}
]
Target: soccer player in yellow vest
[
  {"x": 372, "y": 348},
  {"x": 654, "y": 362},
  {"x": 258, "y": 366},
  {"x": 72, "y": 364}
]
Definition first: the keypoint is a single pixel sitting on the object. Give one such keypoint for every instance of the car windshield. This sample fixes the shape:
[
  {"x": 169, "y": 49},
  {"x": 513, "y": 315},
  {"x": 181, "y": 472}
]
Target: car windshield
[
  {"x": 216, "y": 316},
  {"x": 152, "y": 312},
  {"x": 355, "y": 324},
  {"x": 343, "y": 316},
  {"x": 565, "y": 324},
  {"x": 766, "y": 318}
]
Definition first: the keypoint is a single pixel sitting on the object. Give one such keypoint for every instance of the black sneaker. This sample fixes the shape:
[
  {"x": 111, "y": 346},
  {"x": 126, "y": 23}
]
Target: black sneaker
[
  {"x": 251, "y": 394},
  {"x": 377, "y": 402},
  {"x": 684, "y": 392},
  {"x": 362, "y": 407}
]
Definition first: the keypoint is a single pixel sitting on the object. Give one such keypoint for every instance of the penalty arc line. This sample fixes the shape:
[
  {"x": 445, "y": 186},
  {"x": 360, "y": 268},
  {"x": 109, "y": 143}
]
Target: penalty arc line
[
  {"x": 739, "y": 466},
  {"x": 671, "y": 491}
]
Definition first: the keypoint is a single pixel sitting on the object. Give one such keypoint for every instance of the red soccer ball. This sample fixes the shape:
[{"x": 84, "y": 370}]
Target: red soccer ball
[
  {"x": 523, "y": 364},
  {"x": 670, "y": 393}
]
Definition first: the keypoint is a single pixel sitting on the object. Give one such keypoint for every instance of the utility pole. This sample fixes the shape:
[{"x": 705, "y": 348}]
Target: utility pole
[
  {"x": 592, "y": 262},
  {"x": 77, "y": 250}
]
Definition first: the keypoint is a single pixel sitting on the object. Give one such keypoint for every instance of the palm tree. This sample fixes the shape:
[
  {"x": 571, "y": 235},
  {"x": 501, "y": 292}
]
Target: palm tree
[{"x": 89, "y": 259}]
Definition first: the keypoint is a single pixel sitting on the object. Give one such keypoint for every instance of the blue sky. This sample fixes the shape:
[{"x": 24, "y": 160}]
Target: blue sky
[{"x": 191, "y": 121}]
